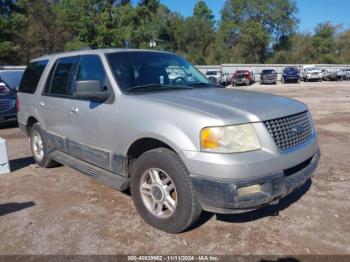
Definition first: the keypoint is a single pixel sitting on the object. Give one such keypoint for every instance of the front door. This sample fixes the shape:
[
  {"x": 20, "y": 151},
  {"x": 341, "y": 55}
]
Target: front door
[{"x": 92, "y": 125}]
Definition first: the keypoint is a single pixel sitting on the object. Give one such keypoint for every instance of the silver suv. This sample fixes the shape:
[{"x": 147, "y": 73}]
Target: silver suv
[{"x": 181, "y": 144}]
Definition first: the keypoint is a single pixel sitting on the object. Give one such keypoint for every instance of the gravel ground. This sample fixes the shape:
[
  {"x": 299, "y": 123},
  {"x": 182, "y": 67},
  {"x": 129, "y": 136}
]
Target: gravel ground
[{"x": 60, "y": 211}]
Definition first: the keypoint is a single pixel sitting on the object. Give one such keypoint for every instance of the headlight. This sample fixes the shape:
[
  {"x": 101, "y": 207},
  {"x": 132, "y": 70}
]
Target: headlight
[{"x": 229, "y": 139}]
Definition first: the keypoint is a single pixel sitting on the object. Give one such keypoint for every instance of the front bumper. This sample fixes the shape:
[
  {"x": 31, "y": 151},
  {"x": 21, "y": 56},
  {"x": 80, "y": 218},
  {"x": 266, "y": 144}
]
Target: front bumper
[
  {"x": 221, "y": 195},
  {"x": 7, "y": 118},
  {"x": 291, "y": 78},
  {"x": 314, "y": 77},
  {"x": 269, "y": 81},
  {"x": 241, "y": 81}
]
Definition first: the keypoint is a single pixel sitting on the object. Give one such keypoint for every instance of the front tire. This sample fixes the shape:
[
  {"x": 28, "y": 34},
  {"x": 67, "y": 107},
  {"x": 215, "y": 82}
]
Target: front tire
[
  {"x": 162, "y": 191},
  {"x": 39, "y": 147}
]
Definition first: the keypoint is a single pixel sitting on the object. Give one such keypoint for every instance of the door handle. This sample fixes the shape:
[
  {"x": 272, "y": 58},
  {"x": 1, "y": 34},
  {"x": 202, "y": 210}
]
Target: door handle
[
  {"x": 74, "y": 110},
  {"x": 41, "y": 104}
]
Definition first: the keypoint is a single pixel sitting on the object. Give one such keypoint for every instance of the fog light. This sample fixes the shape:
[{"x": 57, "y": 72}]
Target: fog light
[{"x": 249, "y": 190}]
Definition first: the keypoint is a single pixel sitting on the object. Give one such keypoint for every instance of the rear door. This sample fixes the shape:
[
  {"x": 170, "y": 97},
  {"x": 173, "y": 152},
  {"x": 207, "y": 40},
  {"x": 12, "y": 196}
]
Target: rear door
[
  {"x": 91, "y": 128},
  {"x": 52, "y": 103},
  {"x": 32, "y": 80}
]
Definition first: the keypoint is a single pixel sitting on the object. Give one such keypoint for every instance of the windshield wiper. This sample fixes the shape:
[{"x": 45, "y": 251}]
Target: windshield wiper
[
  {"x": 202, "y": 84},
  {"x": 156, "y": 87}
]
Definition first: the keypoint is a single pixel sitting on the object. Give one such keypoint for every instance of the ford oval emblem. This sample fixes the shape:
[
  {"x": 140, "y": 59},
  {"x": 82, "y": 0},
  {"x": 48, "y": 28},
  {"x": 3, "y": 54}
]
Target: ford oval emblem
[{"x": 298, "y": 129}]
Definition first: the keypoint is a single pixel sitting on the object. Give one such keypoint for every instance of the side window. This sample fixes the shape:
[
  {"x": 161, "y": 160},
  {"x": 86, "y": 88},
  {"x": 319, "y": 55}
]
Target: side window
[
  {"x": 31, "y": 76},
  {"x": 91, "y": 68},
  {"x": 61, "y": 76}
]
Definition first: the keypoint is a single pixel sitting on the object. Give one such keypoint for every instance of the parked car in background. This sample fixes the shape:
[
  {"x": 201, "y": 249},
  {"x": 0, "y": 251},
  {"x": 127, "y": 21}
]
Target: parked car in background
[
  {"x": 341, "y": 74},
  {"x": 214, "y": 76},
  {"x": 243, "y": 77},
  {"x": 347, "y": 74},
  {"x": 9, "y": 82},
  {"x": 311, "y": 73},
  {"x": 290, "y": 74},
  {"x": 330, "y": 74},
  {"x": 268, "y": 76},
  {"x": 226, "y": 79}
]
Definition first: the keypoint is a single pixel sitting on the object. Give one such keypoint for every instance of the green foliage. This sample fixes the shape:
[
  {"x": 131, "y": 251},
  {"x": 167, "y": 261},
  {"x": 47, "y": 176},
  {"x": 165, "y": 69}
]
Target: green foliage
[
  {"x": 9, "y": 22},
  {"x": 250, "y": 31},
  {"x": 343, "y": 47},
  {"x": 202, "y": 11},
  {"x": 249, "y": 27}
]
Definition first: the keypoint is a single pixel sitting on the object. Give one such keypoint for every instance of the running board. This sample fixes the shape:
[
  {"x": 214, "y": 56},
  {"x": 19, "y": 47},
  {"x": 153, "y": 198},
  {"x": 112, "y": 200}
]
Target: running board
[{"x": 113, "y": 180}]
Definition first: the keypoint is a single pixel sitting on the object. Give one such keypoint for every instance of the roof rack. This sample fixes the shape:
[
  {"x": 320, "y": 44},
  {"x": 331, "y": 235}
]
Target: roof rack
[{"x": 8, "y": 67}]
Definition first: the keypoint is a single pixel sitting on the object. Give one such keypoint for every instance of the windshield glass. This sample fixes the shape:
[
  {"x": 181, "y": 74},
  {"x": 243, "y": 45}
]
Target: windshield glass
[
  {"x": 268, "y": 71},
  {"x": 11, "y": 78},
  {"x": 311, "y": 69},
  {"x": 291, "y": 69},
  {"x": 154, "y": 71},
  {"x": 212, "y": 73}
]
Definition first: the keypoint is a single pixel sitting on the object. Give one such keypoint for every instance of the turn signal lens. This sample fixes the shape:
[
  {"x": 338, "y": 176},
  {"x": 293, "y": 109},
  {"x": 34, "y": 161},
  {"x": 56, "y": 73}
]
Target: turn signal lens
[{"x": 210, "y": 138}]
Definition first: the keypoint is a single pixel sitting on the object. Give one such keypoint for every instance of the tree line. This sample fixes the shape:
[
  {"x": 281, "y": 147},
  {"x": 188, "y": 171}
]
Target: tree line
[{"x": 249, "y": 31}]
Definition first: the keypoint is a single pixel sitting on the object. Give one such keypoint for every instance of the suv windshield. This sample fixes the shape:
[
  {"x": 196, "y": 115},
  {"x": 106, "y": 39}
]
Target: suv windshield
[
  {"x": 266, "y": 72},
  {"x": 212, "y": 73},
  {"x": 290, "y": 70},
  {"x": 311, "y": 69},
  {"x": 154, "y": 71}
]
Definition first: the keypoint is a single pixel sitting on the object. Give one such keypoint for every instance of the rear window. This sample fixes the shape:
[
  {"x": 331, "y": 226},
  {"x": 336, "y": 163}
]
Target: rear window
[
  {"x": 32, "y": 76},
  {"x": 11, "y": 77}
]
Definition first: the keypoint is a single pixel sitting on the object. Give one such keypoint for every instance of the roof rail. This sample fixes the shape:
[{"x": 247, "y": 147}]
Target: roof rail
[{"x": 8, "y": 67}]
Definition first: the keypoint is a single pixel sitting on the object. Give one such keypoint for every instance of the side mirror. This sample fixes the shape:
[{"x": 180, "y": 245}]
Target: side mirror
[{"x": 90, "y": 89}]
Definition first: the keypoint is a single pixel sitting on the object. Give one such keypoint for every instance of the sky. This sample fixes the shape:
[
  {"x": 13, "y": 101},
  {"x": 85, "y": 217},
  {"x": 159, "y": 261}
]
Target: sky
[{"x": 311, "y": 12}]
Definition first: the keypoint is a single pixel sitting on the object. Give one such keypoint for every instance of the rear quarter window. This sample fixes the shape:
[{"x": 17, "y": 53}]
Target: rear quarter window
[{"x": 31, "y": 76}]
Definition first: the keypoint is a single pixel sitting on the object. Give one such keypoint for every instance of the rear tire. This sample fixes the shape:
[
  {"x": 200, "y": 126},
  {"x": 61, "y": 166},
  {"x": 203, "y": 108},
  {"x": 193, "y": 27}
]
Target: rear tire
[
  {"x": 151, "y": 177},
  {"x": 38, "y": 146}
]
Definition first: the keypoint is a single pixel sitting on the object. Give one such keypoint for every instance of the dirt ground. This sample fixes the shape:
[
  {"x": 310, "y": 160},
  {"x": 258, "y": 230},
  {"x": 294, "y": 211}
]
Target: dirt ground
[{"x": 60, "y": 211}]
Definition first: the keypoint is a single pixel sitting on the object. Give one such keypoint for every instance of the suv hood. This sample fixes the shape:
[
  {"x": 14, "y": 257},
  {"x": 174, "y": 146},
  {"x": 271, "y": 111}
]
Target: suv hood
[
  {"x": 230, "y": 105},
  {"x": 313, "y": 71}
]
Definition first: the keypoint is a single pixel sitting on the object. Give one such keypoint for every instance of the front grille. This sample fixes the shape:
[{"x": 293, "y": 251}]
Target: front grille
[
  {"x": 6, "y": 104},
  {"x": 290, "y": 131}
]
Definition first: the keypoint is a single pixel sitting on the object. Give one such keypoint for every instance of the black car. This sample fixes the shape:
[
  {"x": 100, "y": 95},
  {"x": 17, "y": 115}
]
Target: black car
[
  {"x": 9, "y": 81},
  {"x": 268, "y": 76},
  {"x": 291, "y": 74}
]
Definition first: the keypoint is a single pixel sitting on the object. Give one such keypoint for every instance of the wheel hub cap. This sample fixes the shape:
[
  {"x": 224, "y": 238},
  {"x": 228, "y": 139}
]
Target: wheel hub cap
[
  {"x": 38, "y": 147},
  {"x": 158, "y": 193}
]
